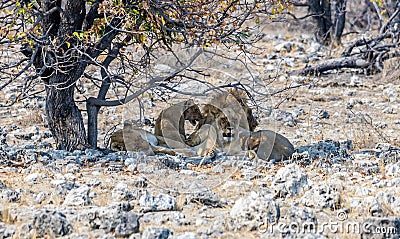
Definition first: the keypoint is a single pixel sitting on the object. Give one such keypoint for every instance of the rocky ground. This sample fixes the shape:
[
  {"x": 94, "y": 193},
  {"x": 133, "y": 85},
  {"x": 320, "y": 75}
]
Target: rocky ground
[{"x": 342, "y": 182}]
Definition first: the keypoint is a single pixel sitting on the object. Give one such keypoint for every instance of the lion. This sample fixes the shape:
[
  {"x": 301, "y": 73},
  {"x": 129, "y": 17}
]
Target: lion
[
  {"x": 225, "y": 124},
  {"x": 170, "y": 124},
  {"x": 211, "y": 116},
  {"x": 235, "y": 124},
  {"x": 132, "y": 138},
  {"x": 241, "y": 97},
  {"x": 265, "y": 144},
  {"x": 270, "y": 145},
  {"x": 227, "y": 110},
  {"x": 169, "y": 129},
  {"x": 117, "y": 141},
  {"x": 206, "y": 147}
]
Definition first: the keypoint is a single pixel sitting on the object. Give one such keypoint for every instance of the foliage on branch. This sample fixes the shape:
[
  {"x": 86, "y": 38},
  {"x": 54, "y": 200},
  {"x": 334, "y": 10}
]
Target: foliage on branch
[
  {"x": 57, "y": 37},
  {"x": 65, "y": 41}
]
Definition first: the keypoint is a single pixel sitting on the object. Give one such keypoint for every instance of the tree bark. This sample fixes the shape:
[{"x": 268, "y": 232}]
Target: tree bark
[
  {"x": 64, "y": 67},
  {"x": 64, "y": 117},
  {"x": 92, "y": 108},
  {"x": 337, "y": 63},
  {"x": 340, "y": 19},
  {"x": 93, "y": 112},
  {"x": 322, "y": 14}
]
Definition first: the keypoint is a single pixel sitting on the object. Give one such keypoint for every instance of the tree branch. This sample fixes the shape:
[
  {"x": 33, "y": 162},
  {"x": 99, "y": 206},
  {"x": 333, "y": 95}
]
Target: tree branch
[
  {"x": 153, "y": 83},
  {"x": 337, "y": 63}
]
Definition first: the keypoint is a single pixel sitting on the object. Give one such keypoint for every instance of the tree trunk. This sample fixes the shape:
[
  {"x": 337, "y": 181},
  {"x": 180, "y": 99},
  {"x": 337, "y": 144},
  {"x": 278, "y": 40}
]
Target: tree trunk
[
  {"x": 92, "y": 108},
  {"x": 340, "y": 19},
  {"x": 93, "y": 112},
  {"x": 321, "y": 9},
  {"x": 64, "y": 118}
]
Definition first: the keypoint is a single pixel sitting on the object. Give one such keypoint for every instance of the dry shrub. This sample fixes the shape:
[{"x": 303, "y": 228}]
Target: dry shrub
[
  {"x": 32, "y": 118},
  {"x": 365, "y": 134},
  {"x": 391, "y": 72}
]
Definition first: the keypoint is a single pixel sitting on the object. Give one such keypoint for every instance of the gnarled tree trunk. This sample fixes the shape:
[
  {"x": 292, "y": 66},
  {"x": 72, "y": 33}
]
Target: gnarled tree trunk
[
  {"x": 64, "y": 118},
  {"x": 63, "y": 64}
]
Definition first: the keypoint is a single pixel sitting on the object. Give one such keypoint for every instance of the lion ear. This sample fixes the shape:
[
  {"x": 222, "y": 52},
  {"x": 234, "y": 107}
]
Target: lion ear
[{"x": 189, "y": 103}]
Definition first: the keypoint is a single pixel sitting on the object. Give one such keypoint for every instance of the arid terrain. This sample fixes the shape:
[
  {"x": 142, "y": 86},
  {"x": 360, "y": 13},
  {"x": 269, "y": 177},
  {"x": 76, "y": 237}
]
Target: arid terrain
[{"x": 342, "y": 182}]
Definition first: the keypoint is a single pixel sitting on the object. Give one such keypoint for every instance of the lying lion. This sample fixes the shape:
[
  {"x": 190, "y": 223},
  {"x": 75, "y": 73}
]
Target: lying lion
[
  {"x": 265, "y": 144},
  {"x": 169, "y": 129},
  {"x": 234, "y": 122},
  {"x": 226, "y": 111},
  {"x": 170, "y": 124},
  {"x": 226, "y": 124},
  {"x": 269, "y": 145},
  {"x": 132, "y": 138}
]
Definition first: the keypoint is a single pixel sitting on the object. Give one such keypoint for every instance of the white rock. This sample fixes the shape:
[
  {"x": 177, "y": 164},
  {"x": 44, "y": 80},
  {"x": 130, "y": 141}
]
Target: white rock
[
  {"x": 72, "y": 168},
  {"x": 161, "y": 202},
  {"x": 283, "y": 47},
  {"x": 388, "y": 110},
  {"x": 40, "y": 197},
  {"x": 70, "y": 176},
  {"x": 248, "y": 213},
  {"x": 362, "y": 191},
  {"x": 56, "y": 182},
  {"x": 59, "y": 176},
  {"x": 32, "y": 178},
  {"x": 78, "y": 197},
  {"x": 393, "y": 169},
  {"x": 289, "y": 181}
]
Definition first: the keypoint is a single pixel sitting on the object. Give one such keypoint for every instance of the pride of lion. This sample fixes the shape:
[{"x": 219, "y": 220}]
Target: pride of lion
[{"x": 225, "y": 124}]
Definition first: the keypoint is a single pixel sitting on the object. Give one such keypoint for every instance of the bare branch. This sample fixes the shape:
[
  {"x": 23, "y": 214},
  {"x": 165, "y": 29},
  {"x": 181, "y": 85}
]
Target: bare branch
[
  {"x": 338, "y": 63},
  {"x": 392, "y": 17},
  {"x": 154, "y": 82}
]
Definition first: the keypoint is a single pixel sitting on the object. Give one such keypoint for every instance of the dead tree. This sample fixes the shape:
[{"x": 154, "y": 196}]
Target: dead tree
[
  {"x": 330, "y": 18},
  {"x": 368, "y": 54}
]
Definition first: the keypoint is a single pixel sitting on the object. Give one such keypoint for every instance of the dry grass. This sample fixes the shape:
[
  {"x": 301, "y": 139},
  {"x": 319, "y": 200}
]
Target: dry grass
[
  {"x": 32, "y": 118},
  {"x": 391, "y": 72},
  {"x": 330, "y": 93}
]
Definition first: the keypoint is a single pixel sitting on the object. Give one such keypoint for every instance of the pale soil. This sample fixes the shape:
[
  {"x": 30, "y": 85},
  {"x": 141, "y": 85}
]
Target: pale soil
[{"x": 370, "y": 121}]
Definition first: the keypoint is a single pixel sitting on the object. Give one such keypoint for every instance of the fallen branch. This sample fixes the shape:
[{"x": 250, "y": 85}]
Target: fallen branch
[
  {"x": 366, "y": 42},
  {"x": 333, "y": 64}
]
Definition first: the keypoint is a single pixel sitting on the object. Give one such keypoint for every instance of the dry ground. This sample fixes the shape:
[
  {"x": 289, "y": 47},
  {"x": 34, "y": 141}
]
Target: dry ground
[{"x": 361, "y": 108}]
